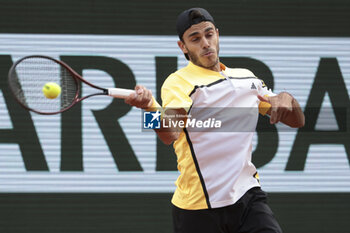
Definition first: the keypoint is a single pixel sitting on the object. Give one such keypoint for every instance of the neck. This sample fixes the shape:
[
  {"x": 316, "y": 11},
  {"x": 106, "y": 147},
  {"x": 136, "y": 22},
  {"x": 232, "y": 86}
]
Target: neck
[{"x": 215, "y": 67}]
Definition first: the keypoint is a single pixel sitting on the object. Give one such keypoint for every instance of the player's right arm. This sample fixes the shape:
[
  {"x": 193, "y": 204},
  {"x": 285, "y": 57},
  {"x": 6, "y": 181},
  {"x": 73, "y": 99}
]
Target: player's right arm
[
  {"x": 175, "y": 102},
  {"x": 142, "y": 98},
  {"x": 170, "y": 134}
]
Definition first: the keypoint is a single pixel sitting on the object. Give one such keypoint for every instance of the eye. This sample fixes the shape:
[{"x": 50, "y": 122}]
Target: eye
[{"x": 194, "y": 39}]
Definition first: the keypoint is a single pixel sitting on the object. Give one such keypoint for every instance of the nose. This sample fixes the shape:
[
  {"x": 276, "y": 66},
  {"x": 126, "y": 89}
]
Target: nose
[{"x": 205, "y": 43}]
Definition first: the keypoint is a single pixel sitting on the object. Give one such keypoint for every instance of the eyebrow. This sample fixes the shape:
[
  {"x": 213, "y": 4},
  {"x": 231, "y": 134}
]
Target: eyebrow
[{"x": 195, "y": 33}]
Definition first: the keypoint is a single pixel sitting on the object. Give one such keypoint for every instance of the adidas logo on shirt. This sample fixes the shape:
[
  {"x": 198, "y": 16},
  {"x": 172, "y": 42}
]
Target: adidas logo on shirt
[{"x": 253, "y": 86}]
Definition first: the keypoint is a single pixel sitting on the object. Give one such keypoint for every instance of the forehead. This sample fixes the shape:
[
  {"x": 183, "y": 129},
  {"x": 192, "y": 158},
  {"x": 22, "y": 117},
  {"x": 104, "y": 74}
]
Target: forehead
[{"x": 200, "y": 27}]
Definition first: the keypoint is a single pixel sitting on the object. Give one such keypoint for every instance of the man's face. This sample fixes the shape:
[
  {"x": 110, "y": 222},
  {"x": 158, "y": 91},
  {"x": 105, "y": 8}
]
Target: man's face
[{"x": 201, "y": 43}]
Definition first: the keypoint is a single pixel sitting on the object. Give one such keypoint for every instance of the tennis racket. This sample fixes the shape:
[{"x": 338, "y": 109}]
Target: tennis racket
[{"x": 28, "y": 76}]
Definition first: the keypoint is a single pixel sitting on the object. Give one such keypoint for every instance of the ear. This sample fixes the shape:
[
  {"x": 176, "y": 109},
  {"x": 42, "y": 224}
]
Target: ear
[{"x": 182, "y": 46}]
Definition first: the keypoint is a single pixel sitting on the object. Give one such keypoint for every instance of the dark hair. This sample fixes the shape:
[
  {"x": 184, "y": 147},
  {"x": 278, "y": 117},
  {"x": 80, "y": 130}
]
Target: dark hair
[
  {"x": 186, "y": 56},
  {"x": 196, "y": 17},
  {"x": 190, "y": 17}
]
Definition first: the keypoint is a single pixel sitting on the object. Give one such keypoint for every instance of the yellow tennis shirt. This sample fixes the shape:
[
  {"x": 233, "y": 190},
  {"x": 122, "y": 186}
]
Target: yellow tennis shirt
[{"x": 215, "y": 166}]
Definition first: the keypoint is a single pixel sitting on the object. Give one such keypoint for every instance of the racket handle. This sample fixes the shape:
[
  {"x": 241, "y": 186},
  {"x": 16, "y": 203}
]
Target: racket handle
[{"x": 119, "y": 92}]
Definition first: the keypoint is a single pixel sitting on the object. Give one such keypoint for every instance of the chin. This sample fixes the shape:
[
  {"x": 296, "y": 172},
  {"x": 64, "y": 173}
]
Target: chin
[{"x": 212, "y": 63}]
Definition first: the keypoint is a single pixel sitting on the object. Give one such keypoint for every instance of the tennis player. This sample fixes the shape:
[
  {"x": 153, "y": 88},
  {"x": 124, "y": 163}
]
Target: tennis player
[{"x": 218, "y": 189}]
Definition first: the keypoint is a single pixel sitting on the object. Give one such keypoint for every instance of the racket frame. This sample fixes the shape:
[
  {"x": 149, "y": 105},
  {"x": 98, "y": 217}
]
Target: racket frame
[{"x": 75, "y": 76}]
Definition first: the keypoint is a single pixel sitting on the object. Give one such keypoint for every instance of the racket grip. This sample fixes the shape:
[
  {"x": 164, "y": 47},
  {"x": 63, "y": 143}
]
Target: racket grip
[{"x": 119, "y": 92}]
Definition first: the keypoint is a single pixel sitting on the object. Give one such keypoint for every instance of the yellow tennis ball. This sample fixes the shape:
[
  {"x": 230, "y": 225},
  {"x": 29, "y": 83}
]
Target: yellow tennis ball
[{"x": 51, "y": 90}]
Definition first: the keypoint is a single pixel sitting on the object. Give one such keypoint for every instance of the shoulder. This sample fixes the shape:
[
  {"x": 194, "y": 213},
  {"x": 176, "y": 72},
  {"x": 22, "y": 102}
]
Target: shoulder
[
  {"x": 172, "y": 79},
  {"x": 176, "y": 83},
  {"x": 177, "y": 78},
  {"x": 175, "y": 92}
]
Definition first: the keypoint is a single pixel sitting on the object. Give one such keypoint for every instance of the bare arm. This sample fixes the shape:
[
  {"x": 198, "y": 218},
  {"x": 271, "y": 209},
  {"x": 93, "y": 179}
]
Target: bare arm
[
  {"x": 142, "y": 98},
  {"x": 285, "y": 108},
  {"x": 171, "y": 134}
]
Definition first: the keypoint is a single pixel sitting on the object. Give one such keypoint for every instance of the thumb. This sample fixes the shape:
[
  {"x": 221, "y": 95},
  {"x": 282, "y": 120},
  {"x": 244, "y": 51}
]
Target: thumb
[
  {"x": 138, "y": 90},
  {"x": 264, "y": 99}
]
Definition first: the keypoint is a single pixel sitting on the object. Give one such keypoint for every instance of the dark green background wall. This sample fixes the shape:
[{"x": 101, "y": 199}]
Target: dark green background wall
[
  {"x": 296, "y": 212},
  {"x": 137, "y": 17}
]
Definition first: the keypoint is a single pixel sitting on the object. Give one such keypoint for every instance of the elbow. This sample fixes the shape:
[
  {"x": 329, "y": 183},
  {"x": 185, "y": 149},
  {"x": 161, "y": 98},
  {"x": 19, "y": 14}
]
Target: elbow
[
  {"x": 167, "y": 138},
  {"x": 167, "y": 141}
]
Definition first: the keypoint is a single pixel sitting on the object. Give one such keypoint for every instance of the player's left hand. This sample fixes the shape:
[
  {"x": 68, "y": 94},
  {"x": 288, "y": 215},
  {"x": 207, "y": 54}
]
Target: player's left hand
[
  {"x": 281, "y": 105},
  {"x": 142, "y": 98}
]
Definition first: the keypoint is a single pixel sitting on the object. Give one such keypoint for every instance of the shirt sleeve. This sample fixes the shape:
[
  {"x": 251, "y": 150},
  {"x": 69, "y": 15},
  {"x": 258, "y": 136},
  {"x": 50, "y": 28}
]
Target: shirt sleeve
[
  {"x": 175, "y": 93},
  {"x": 263, "y": 90}
]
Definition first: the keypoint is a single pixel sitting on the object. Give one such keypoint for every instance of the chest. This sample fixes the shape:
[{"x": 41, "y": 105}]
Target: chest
[{"x": 233, "y": 92}]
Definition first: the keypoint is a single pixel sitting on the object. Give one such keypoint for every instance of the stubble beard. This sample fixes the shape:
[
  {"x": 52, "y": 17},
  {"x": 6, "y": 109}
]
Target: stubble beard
[{"x": 195, "y": 60}]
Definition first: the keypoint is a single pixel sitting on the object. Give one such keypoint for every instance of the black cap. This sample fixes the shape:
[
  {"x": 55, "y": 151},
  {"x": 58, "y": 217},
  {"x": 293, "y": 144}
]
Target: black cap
[{"x": 185, "y": 20}]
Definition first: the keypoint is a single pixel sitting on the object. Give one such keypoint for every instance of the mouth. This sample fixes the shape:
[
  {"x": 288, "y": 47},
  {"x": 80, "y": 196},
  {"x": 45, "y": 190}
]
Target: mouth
[{"x": 208, "y": 53}]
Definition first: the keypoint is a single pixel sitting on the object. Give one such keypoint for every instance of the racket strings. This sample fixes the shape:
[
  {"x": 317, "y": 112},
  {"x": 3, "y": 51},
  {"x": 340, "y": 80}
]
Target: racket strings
[
  {"x": 30, "y": 76},
  {"x": 69, "y": 88}
]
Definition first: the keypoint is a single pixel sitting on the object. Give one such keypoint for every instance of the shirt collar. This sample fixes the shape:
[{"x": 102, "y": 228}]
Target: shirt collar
[{"x": 202, "y": 70}]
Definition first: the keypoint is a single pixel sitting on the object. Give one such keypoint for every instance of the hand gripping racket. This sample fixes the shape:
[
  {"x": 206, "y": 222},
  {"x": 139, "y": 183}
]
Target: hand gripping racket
[{"x": 28, "y": 76}]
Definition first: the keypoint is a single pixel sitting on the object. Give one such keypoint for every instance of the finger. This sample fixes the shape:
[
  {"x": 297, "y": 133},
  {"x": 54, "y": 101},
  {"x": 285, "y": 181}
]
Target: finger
[
  {"x": 129, "y": 99},
  {"x": 132, "y": 100},
  {"x": 287, "y": 107},
  {"x": 138, "y": 87},
  {"x": 143, "y": 99},
  {"x": 139, "y": 90},
  {"x": 148, "y": 98},
  {"x": 279, "y": 116},
  {"x": 273, "y": 116},
  {"x": 286, "y": 101},
  {"x": 132, "y": 96},
  {"x": 264, "y": 99},
  {"x": 274, "y": 109}
]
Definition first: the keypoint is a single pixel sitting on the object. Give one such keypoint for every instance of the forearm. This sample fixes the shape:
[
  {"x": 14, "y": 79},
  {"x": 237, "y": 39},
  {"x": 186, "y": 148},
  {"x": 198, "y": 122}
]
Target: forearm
[
  {"x": 169, "y": 134},
  {"x": 142, "y": 98}
]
